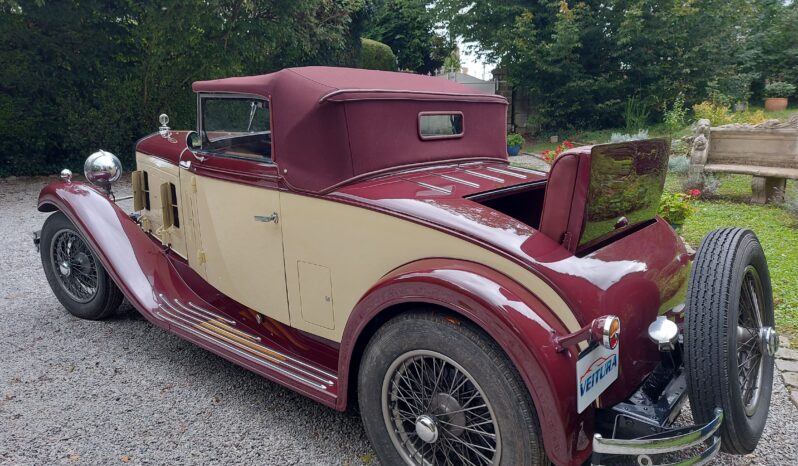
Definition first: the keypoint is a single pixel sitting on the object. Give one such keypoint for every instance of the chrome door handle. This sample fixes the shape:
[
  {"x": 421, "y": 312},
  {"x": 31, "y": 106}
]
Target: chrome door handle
[{"x": 268, "y": 218}]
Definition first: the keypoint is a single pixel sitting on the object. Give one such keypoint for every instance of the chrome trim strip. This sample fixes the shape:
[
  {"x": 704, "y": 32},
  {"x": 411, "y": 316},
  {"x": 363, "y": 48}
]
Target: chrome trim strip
[
  {"x": 485, "y": 176},
  {"x": 243, "y": 334},
  {"x": 527, "y": 170},
  {"x": 458, "y": 180},
  {"x": 475, "y": 96},
  {"x": 679, "y": 439},
  {"x": 505, "y": 172},
  {"x": 238, "y": 351},
  {"x": 272, "y": 360},
  {"x": 434, "y": 188}
]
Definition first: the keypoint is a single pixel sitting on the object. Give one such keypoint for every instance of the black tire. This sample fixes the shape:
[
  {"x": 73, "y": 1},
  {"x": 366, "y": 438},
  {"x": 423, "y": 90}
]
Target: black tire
[
  {"x": 727, "y": 260},
  {"x": 486, "y": 372},
  {"x": 93, "y": 298}
]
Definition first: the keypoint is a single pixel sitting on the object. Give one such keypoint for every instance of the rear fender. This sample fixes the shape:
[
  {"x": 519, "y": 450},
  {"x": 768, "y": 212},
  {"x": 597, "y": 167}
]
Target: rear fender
[{"x": 508, "y": 313}]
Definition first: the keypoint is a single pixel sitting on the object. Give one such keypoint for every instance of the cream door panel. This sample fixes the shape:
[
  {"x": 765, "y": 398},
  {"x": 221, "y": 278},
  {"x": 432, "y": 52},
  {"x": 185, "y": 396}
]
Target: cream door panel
[
  {"x": 359, "y": 246},
  {"x": 243, "y": 258},
  {"x": 158, "y": 173}
]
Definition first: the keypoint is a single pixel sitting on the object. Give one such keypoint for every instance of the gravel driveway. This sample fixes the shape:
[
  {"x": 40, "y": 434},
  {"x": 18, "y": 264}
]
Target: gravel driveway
[{"x": 121, "y": 391}]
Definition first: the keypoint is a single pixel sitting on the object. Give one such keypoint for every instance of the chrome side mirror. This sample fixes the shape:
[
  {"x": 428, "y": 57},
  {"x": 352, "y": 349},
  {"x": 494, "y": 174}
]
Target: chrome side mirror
[{"x": 193, "y": 140}]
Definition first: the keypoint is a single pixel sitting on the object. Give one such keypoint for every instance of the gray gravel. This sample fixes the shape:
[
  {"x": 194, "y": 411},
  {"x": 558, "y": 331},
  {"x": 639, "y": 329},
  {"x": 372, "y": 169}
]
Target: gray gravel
[{"x": 102, "y": 393}]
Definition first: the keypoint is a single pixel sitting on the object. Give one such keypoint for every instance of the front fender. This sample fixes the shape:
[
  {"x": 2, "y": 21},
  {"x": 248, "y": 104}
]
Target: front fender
[
  {"x": 516, "y": 319},
  {"x": 136, "y": 263}
]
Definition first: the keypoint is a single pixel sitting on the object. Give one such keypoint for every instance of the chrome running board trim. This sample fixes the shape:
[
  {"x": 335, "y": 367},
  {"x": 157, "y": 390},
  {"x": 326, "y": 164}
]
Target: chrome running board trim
[
  {"x": 485, "y": 176},
  {"x": 505, "y": 172},
  {"x": 458, "y": 180}
]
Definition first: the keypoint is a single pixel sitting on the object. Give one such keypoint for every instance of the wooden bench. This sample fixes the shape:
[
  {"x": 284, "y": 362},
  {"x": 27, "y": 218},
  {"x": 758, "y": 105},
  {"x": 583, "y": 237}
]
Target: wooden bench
[{"x": 768, "y": 152}]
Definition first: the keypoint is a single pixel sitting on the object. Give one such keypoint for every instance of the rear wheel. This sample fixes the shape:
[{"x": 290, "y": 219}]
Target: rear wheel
[
  {"x": 436, "y": 392},
  {"x": 729, "y": 336},
  {"x": 74, "y": 273}
]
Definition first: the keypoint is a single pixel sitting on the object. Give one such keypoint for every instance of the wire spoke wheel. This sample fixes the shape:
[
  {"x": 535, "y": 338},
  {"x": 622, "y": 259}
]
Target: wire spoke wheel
[
  {"x": 74, "y": 266},
  {"x": 749, "y": 347},
  {"x": 437, "y": 414}
]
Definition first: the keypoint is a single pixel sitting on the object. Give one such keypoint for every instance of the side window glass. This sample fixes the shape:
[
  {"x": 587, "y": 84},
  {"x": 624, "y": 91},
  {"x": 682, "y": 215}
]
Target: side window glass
[{"x": 236, "y": 127}]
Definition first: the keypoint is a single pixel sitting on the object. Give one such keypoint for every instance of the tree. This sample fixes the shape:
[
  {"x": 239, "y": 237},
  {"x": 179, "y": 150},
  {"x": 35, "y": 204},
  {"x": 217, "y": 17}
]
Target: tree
[
  {"x": 90, "y": 74},
  {"x": 581, "y": 61},
  {"x": 408, "y": 28}
]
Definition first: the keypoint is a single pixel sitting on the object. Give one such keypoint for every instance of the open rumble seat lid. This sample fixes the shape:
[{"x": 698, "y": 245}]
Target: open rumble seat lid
[{"x": 330, "y": 125}]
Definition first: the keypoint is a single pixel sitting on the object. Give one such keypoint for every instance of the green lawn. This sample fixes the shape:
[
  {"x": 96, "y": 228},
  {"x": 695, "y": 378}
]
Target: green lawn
[{"x": 776, "y": 228}]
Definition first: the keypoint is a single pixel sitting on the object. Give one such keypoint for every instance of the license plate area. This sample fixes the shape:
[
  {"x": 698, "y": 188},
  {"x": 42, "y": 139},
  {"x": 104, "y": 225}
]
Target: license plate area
[{"x": 596, "y": 369}]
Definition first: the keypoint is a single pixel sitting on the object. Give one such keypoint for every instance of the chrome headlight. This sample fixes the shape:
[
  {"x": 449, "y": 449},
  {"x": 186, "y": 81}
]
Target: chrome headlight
[{"x": 102, "y": 168}]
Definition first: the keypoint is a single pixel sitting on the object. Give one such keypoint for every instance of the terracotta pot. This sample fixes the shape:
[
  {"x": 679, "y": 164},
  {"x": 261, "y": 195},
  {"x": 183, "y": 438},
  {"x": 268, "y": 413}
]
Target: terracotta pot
[{"x": 775, "y": 104}]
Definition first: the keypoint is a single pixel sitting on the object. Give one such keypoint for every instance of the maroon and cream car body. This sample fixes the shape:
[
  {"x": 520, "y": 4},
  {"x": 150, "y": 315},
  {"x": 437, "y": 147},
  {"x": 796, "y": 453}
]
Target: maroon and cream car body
[{"x": 314, "y": 206}]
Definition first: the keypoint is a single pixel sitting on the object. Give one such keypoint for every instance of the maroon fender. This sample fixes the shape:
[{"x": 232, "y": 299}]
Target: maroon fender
[
  {"x": 511, "y": 315},
  {"x": 148, "y": 274}
]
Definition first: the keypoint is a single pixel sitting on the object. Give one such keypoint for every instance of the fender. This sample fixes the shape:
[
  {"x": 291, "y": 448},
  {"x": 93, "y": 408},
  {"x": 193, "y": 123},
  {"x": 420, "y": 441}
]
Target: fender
[
  {"x": 508, "y": 313},
  {"x": 148, "y": 275}
]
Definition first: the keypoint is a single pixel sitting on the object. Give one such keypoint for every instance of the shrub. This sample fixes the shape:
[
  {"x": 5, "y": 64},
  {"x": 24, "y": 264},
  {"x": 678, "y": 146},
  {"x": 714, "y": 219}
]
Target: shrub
[
  {"x": 676, "y": 117},
  {"x": 635, "y": 114},
  {"x": 515, "y": 139},
  {"x": 708, "y": 184},
  {"x": 779, "y": 89},
  {"x": 376, "y": 56},
  {"x": 618, "y": 137},
  {"x": 676, "y": 207},
  {"x": 678, "y": 165},
  {"x": 716, "y": 113}
]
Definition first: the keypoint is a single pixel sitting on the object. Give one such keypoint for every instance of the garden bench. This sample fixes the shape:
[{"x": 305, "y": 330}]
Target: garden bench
[{"x": 767, "y": 151}]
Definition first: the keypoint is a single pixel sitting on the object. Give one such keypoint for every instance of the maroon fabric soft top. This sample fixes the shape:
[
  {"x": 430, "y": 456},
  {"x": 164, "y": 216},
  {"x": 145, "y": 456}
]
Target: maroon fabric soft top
[{"x": 330, "y": 125}]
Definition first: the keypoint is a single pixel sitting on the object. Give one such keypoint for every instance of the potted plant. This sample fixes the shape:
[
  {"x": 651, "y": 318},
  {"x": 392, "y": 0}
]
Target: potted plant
[
  {"x": 675, "y": 208},
  {"x": 776, "y": 94},
  {"x": 514, "y": 143}
]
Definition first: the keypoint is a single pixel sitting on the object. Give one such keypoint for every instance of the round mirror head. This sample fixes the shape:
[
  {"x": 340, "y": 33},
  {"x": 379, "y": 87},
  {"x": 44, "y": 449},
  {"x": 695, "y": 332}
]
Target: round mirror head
[
  {"x": 164, "y": 119},
  {"x": 102, "y": 168},
  {"x": 193, "y": 140}
]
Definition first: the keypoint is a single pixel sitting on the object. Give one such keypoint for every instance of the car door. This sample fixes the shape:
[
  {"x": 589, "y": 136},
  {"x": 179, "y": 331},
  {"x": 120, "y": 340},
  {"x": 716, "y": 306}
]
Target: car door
[{"x": 230, "y": 187}]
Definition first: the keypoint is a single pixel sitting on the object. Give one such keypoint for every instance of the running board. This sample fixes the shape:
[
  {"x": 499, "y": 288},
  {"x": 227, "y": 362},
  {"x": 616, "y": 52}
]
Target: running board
[{"x": 215, "y": 331}]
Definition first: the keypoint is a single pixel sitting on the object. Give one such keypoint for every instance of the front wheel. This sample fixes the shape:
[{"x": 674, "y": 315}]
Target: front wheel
[
  {"x": 434, "y": 391},
  {"x": 729, "y": 337},
  {"x": 74, "y": 273}
]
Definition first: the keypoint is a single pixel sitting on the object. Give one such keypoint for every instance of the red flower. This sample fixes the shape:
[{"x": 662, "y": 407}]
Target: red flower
[
  {"x": 546, "y": 152},
  {"x": 694, "y": 192},
  {"x": 568, "y": 144}
]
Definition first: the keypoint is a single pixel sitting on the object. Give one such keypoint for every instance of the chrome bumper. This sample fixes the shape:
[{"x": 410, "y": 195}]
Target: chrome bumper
[{"x": 672, "y": 441}]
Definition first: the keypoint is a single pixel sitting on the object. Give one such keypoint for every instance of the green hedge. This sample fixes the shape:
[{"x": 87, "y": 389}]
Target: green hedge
[{"x": 376, "y": 56}]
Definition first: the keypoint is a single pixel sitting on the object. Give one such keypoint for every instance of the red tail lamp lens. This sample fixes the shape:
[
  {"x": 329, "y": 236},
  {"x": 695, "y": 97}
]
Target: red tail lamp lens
[{"x": 612, "y": 330}]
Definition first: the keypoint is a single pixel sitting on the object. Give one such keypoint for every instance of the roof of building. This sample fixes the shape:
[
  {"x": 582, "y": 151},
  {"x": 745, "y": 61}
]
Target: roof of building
[{"x": 330, "y": 125}]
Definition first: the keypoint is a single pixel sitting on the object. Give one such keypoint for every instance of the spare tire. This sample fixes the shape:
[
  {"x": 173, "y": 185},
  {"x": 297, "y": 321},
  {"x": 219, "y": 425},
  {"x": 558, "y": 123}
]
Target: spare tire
[{"x": 729, "y": 337}]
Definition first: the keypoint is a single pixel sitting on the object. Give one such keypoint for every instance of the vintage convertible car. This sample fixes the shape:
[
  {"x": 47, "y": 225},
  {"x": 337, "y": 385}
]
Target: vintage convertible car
[{"x": 359, "y": 237}]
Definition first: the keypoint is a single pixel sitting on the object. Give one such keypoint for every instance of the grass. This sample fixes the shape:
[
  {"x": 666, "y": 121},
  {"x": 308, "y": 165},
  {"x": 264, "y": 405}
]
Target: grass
[
  {"x": 595, "y": 137},
  {"x": 776, "y": 229}
]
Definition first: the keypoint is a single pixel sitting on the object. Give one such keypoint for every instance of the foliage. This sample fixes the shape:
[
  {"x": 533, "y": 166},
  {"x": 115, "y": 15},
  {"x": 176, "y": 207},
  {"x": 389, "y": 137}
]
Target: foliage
[
  {"x": 78, "y": 76},
  {"x": 580, "y": 61},
  {"x": 551, "y": 155},
  {"x": 409, "y": 30},
  {"x": 676, "y": 116},
  {"x": 676, "y": 207},
  {"x": 635, "y": 114},
  {"x": 515, "y": 139},
  {"x": 618, "y": 137},
  {"x": 376, "y": 56},
  {"x": 731, "y": 88},
  {"x": 719, "y": 114},
  {"x": 779, "y": 89},
  {"x": 678, "y": 165}
]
